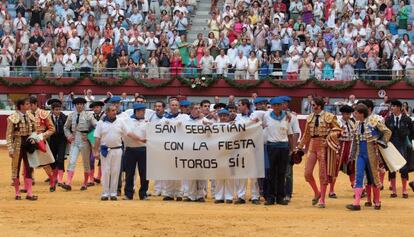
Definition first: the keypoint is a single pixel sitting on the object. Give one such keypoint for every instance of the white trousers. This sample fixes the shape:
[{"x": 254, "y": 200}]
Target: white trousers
[
  {"x": 173, "y": 188},
  {"x": 80, "y": 147},
  {"x": 241, "y": 186},
  {"x": 196, "y": 189},
  {"x": 111, "y": 166},
  {"x": 224, "y": 189},
  {"x": 159, "y": 188}
]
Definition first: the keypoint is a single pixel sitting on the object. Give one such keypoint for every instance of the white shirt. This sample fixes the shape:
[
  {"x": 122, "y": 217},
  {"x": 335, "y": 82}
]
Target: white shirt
[
  {"x": 110, "y": 133},
  {"x": 138, "y": 128},
  {"x": 45, "y": 59},
  {"x": 409, "y": 64},
  {"x": 277, "y": 131},
  {"x": 74, "y": 43},
  {"x": 151, "y": 43},
  {"x": 240, "y": 63},
  {"x": 293, "y": 65},
  {"x": 221, "y": 63}
]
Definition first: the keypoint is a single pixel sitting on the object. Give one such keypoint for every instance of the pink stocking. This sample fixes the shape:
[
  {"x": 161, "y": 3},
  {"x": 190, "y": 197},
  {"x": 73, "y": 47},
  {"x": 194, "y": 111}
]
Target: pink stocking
[
  {"x": 16, "y": 184},
  {"x": 377, "y": 195},
  {"x": 358, "y": 193},
  {"x": 404, "y": 186},
  {"x": 323, "y": 193},
  {"x": 393, "y": 186},
  {"x": 85, "y": 178},
  {"x": 70, "y": 177},
  {"x": 60, "y": 176},
  {"x": 382, "y": 175},
  {"x": 28, "y": 184},
  {"x": 314, "y": 187},
  {"x": 368, "y": 189},
  {"x": 332, "y": 187}
]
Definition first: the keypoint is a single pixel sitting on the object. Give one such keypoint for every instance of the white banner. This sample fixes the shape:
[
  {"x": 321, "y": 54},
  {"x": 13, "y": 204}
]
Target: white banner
[{"x": 194, "y": 151}]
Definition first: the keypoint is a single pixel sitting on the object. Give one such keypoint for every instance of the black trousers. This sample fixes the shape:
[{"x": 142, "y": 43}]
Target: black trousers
[
  {"x": 278, "y": 162},
  {"x": 58, "y": 149},
  {"x": 136, "y": 157}
]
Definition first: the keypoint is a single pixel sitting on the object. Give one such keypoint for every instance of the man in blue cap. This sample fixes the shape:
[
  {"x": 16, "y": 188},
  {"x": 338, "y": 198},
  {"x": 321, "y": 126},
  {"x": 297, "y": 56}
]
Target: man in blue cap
[
  {"x": 279, "y": 133},
  {"x": 108, "y": 146},
  {"x": 116, "y": 101},
  {"x": 224, "y": 187},
  {"x": 135, "y": 152},
  {"x": 184, "y": 106},
  {"x": 294, "y": 123}
]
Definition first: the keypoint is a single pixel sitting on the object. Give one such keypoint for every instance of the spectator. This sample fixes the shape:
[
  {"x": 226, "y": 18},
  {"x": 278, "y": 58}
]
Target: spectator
[
  {"x": 252, "y": 66},
  {"x": 111, "y": 63},
  {"x": 176, "y": 64},
  {"x": 88, "y": 97},
  {"x": 45, "y": 61},
  {"x": 69, "y": 61},
  {"x": 153, "y": 66},
  {"x": 207, "y": 63},
  {"x": 221, "y": 63},
  {"x": 240, "y": 66},
  {"x": 85, "y": 62},
  {"x": 31, "y": 60},
  {"x": 192, "y": 66},
  {"x": 293, "y": 65}
]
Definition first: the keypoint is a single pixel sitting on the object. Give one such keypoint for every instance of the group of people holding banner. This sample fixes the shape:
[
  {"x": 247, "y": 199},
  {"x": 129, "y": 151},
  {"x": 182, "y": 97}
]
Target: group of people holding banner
[{"x": 353, "y": 144}]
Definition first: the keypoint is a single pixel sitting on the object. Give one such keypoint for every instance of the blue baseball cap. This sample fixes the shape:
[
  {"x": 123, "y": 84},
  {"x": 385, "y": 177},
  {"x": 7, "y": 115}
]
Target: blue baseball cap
[
  {"x": 138, "y": 106},
  {"x": 276, "y": 100},
  {"x": 185, "y": 103},
  {"x": 223, "y": 111},
  {"x": 259, "y": 100},
  {"x": 115, "y": 99},
  {"x": 286, "y": 98}
]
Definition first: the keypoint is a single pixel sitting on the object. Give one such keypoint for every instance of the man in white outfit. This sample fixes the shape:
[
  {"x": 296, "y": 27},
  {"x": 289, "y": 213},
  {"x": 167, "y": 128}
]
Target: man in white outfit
[
  {"x": 108, "y": 146},
  {"x": 241, "y": 184},
  {"x": 224, "y": 187},
  {"x": 173, "y": 188}
]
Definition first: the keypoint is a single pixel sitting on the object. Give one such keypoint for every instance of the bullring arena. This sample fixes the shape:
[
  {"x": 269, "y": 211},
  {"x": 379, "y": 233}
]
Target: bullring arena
[{"x": 81, "y": 213}]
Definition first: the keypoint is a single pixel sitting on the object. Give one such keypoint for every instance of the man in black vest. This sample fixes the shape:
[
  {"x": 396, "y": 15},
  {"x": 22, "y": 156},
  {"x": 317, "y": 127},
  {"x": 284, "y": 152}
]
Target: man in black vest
[
  {"x": 58, "y": 140},
  {"x": 401, "y": 127}
]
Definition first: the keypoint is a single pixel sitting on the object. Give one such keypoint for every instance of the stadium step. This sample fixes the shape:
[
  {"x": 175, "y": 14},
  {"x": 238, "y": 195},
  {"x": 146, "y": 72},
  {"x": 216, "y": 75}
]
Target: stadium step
[{"x": 199, "y": 22}]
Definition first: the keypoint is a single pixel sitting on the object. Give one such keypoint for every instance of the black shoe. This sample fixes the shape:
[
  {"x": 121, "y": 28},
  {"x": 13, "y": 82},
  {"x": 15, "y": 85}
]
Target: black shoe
[
  {"x": 32, "y": 198},
  {"x": 321, "y": 205},
  {"x": 114, "y": 198},
  {"x": 127, "y": 198},
  {"x": 179, "y": 199},
  {"x": 282, "y": 202},
  {"x": 405, "y": 195},
  {"x": 90, "y": 184},
  {"x": 269, "y": 202},
  {"x": 23, "y": 190},
  {"x": 83, "y": 188},
  {"x": 52, "y": 189},
  {"x": 168, "y": 199},
  {"x": 104, "y": 198},
  {"x": 287, "y": 199},
  {"x": 47, "y": 180},
  {"x": 411, "y": 184},
  {"x": 353, "y": 207},
  {"x": 59, "y": 184},
  {"x": 377, "y": 207},
  {"x": 393, "y": 195},
  {"x": 332, "y": 195},
  {"x": 255, "y": 202},
  {"x": 240, "y": 201},
  {"x": 229, "y": 201},
  {"x": 144, "y": 198},
  {"x": 201, "y": 200},
  {"x": 315, "y": 200},
  {"x": 363, "y": 194},
  {"x": 18, "y": 198},
  {"x": 98, "y": 181},
  {"x": 66, "y": 187},
  {"x": 218, "y": 201},
  {"x": 368, "y": 204}
]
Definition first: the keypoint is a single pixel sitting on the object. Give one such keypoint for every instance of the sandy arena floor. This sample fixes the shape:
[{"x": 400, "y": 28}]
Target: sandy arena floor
[{"x": 79, "y": 213}]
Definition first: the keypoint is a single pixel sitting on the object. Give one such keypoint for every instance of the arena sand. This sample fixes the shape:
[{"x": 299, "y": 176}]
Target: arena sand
[{"x": 78, "y": 213}]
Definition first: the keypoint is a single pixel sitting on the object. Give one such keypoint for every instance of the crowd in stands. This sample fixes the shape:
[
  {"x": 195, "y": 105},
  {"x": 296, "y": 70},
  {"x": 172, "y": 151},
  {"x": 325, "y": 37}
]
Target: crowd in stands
[{"x": 246, "y": 39}]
